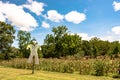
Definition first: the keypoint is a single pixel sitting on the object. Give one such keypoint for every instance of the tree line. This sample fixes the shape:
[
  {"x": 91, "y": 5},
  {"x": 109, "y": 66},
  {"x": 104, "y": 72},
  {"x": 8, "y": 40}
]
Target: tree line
[{"x": 60, "y": 43}]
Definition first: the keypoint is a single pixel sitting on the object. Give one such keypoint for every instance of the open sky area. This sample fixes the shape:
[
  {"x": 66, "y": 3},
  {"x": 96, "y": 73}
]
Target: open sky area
[{"x": 87, "y": 18}]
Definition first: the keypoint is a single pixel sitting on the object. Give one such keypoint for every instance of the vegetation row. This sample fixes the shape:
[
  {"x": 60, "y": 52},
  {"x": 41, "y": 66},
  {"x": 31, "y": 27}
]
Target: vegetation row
[{"x": 96, "y": 67}]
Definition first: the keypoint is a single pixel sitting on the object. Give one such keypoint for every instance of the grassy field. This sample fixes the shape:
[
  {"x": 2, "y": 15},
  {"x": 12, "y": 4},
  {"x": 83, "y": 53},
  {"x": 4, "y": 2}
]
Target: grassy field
[{"x": 22, "y": 74}]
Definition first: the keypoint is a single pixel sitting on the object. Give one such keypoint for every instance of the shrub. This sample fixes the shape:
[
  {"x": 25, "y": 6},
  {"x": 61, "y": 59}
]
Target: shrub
[{"x": 99, "y": 67}]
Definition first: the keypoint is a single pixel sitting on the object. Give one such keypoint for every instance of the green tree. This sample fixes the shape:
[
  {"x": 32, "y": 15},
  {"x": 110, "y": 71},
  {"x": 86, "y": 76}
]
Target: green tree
[
  {"x": 6, "y": 39},
  {"x": 54, "y": 40},
  {"x": 58, "y": 33},
  {"x": 61, "y": 43},
  {"x": 14, "y": 52},
  {"x": 86, "y": 48},
  {"x": 71, "y": 44},
  {"x": 48, "y": 50},
  {"x": 115, "y": 49},
  {"x": 24, "y": 38},
  {"x": 99, "y": 47},
  {"x": 94, "y": 42}
]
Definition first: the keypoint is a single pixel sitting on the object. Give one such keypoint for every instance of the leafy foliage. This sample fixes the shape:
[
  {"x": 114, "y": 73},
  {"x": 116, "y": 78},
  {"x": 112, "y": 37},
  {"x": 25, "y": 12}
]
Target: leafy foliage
[
  {"x": 6, "y": 39},
  {"x": 24, "y": 38},
  {"x": 61, "y": 43}
]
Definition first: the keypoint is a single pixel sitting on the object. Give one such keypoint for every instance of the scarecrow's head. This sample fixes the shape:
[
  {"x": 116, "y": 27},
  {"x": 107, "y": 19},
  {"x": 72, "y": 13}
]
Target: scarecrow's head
[{"x": 34, "y": 41}]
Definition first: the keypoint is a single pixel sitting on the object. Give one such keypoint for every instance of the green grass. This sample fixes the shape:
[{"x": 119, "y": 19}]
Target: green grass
[{"x": 22, "y": 74}]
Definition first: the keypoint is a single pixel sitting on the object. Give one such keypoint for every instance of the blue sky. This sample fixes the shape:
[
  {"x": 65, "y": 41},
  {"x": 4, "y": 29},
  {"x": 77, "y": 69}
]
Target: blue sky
[{"x": 87, "y": 18}]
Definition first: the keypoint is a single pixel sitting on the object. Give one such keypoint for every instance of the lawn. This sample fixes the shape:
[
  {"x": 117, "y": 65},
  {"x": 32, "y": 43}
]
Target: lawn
[{"x": 22, "y": 74}]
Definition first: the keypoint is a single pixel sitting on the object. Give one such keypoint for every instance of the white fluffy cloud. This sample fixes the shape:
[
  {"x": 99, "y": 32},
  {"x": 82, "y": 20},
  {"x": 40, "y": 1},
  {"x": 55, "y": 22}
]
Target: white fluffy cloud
[
  {"x": 116, "y": 29},
  {"x": 116, "y": 6},
  {"x": 75, "y": 17},
  {"x": 112, "y": 35},
  {"x": 35, "y": 7},
  {"x": 2, "y": 17},
  {"x": 84, "y": 36},
  {"x": 54, "y": 16},
  {"x": 107, "y": 37},
  {"x": 45, "y": 25},
  {"x": 18, "y": 17}
]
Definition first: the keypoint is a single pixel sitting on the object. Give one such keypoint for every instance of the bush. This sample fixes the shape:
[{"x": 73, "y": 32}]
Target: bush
[
  {"x": 85, "y": 68},
  {"x": 99, "y": 67}
]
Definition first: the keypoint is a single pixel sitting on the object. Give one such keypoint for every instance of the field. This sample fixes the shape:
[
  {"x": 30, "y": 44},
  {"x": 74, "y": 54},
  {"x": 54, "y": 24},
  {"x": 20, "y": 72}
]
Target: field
[
  {"x": 23, "y": 74},
  {"x": 83, "y": 67}
]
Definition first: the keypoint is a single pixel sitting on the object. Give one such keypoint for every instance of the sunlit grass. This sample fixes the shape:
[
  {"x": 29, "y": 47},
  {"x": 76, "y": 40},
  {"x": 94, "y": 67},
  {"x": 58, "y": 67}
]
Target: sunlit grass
[{"x": 22, "y": 74}]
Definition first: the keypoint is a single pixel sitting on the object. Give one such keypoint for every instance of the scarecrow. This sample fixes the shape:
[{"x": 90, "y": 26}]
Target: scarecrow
[{"x": 33, "y": 58}]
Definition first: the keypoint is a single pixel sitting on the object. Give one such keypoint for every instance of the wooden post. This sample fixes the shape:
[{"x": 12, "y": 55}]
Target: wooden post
[{"x": 33, "y": 66}]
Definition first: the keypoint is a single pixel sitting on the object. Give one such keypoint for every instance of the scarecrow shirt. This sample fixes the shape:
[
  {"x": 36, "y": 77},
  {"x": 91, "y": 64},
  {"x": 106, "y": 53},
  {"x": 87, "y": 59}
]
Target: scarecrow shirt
[{"x": 33, "y": 50}]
